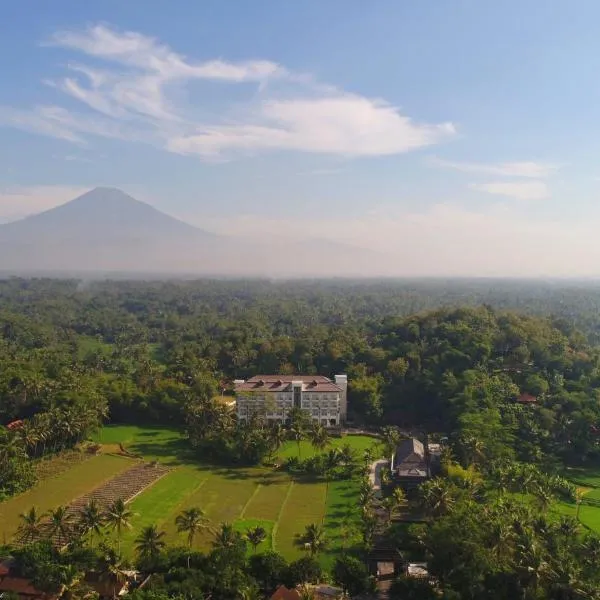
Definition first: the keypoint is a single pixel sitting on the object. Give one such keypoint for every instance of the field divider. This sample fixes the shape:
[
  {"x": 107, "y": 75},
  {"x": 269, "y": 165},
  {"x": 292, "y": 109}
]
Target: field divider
[
  {"x": 280, "y": 514},
  {"x": 256, "y": 490},
  {"x": 184, "y": 500}
]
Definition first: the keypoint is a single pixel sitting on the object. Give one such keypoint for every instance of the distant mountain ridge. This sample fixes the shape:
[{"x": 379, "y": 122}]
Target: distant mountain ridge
[{"x": 105, "y": 229}]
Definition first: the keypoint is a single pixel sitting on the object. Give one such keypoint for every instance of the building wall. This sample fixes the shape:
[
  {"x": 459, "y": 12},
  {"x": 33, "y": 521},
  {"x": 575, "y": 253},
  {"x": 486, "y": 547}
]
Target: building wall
[{"x": 323, "y": 407}]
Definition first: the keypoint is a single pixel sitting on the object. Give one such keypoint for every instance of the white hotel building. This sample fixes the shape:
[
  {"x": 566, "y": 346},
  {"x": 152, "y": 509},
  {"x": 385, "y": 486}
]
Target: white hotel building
[{"x": 274, "y": 396}]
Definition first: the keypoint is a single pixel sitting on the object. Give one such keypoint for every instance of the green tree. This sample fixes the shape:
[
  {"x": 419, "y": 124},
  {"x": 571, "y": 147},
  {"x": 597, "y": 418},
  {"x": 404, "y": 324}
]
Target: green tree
[
  {"x": 351, "y": 573},
  {"x": 91, "y": 520},
  {"x": 30, "y": 528},
  {"x": 313, "y": 539},
  {"x": 191, "y": 521},
  {"x": 256, "y": 535},
  {"x": 118, "y": 517},
  {"x": 60, "y": 524},
  {"x": 150, "y": 543}
]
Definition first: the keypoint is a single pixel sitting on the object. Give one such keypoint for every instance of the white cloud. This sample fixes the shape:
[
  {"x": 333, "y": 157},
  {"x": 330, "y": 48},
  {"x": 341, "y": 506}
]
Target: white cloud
[
  {"x": 133, "y": 96},
  {"x": 521, "y": 190},
  {"x": 346, "y": 125},
  {"x": 531, "y": 169},
  {"x": 17, "y": 202}
]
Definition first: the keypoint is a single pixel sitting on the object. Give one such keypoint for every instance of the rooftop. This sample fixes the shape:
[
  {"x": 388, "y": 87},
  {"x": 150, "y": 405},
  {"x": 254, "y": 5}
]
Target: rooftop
[{"x": 280, "y": 383}]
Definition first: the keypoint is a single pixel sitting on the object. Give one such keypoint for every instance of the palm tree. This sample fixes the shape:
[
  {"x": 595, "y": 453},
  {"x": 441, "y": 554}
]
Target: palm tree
[
  {"x": 91, "y": 520},
  {"x": 111, "y": 567},
  {"x": 313, "y": 539},
  {"x": 544, "y": 497},
  {"x": 332, "y": 461},
  {"x": 150, "y": 542},
  {"x": 226, "y": 537},
  {"x": 256, "y": 535},
  {"x": 297, "y": 433},
  {"x": 60, "y": 524},
  {"x": 436, "y": 497},
  {"x": 191, "y": 521},
  {"x": 118, "y": 517},
  {"x": 30, "y": 528},
  {"x": 394, "y": 502},
  {"x": 319, "y": 438},
  {"x": 276, "y": 438}
]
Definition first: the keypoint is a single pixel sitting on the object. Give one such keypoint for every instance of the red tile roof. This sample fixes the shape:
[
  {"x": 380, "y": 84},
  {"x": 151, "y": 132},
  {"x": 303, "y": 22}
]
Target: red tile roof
[
  {"x": 15, "y": 425},
  {"x": 19, "y": 586},
  {"x": 526, "y": 398},
  {"x": 280, "y": 383},
  {"x": 283, "y": 593}
]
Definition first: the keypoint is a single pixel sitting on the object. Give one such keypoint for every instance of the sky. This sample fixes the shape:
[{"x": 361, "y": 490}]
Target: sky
[{"x": 454, "y": 137}]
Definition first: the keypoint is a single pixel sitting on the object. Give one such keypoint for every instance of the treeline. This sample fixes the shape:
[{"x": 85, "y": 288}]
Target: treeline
[{"x": 149, "y": 349}]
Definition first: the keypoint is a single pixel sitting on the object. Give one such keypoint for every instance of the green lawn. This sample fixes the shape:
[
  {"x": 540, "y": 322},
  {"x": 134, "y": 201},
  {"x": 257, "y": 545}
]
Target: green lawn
[
  {"x": 244, "y": 497},
  {"x": 243, "y": 525},
  {"x": 588, "y": 478},
  {"x": 359, "y": 444},
  {"x": 62, "y": 488}
]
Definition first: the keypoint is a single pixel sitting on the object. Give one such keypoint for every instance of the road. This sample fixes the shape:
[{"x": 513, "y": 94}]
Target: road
[{"x": 375, "y": 475}]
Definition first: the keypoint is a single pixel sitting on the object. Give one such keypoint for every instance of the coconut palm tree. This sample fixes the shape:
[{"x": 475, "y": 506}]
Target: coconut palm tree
[
  {"x": 276, "y": 436},
  {"x": 333, "y": 458},
  {"x": 30, "y": 528},
  {"x": 150, "y": 542},
  {"x": 319, "y": 438},
  {"x": 60, "y": 524},
  {"x": 111, "y": 567},
  {"x": 313, "y": 539},
  {"x": 226, "y": 537},
  {"x": 91, "y": 520},
  {"x": 191, "y": 521},
  {"x": 118, "y": 517},
  {"x": 256, "y": 535},
  {"x": 436, "y": 497}
]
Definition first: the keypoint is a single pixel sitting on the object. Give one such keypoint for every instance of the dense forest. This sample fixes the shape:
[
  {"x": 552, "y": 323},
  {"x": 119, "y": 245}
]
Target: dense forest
[{"x": 507, "y": 372}]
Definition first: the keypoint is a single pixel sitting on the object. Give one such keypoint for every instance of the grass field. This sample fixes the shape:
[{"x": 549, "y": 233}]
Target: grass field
[
  {"x": 587, "y": 479},
  {"x": 244, "y": 497},
  {"x": 61, "y": 488}
]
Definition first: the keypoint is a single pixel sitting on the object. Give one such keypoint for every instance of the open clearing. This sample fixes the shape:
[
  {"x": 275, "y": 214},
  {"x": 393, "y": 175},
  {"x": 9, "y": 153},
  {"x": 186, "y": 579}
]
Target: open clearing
[{"x": 244, "y": 497}]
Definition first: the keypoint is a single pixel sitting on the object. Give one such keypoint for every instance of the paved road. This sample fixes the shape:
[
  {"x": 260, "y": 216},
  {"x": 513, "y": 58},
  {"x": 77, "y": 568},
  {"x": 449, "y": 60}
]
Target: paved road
[{"x": 375, "y": 475}]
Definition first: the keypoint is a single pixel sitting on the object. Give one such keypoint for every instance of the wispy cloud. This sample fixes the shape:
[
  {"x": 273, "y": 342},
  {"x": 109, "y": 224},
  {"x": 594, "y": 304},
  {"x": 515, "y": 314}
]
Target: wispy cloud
[
  {"x": 521, "y": 190},
  {"x": 133, "y": 95},
  {"x": 530, "y": 169}
]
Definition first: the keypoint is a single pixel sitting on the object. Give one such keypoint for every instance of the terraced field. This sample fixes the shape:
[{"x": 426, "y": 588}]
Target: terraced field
[
  {"x": 61, "y": 489},
  {"x": 244, "y": 497}
]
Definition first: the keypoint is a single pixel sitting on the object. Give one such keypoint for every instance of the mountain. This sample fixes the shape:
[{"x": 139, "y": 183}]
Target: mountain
[{"x": 106, "y": 230}]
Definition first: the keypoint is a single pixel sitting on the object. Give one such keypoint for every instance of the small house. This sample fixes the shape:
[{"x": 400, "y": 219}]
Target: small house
[{"x": 410, "y": 463}]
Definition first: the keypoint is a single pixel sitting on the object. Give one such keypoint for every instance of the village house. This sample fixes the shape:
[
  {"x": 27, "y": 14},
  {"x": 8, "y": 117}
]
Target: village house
[{"x": 410, "y": 464}]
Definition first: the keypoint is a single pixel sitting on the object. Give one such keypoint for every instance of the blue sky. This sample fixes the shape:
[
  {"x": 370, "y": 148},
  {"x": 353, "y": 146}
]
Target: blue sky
[{"x": 422, "y": 129}]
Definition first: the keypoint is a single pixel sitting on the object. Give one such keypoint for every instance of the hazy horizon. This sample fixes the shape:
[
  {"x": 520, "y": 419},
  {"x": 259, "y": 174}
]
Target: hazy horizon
[{"x": 446, "y": 141}]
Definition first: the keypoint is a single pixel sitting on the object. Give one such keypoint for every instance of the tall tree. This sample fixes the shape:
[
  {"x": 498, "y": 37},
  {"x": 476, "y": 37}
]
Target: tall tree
[
  {"x": 313, "y": 539},
  {"x": 256, "y": 536},
  {"x": 150, "y": 542},
  {"x": 118, "y": 517},
  {"x": 30, "y": 528},
  {"x": 91, "y": 520},
  {"x": 191, "y": 521}
]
